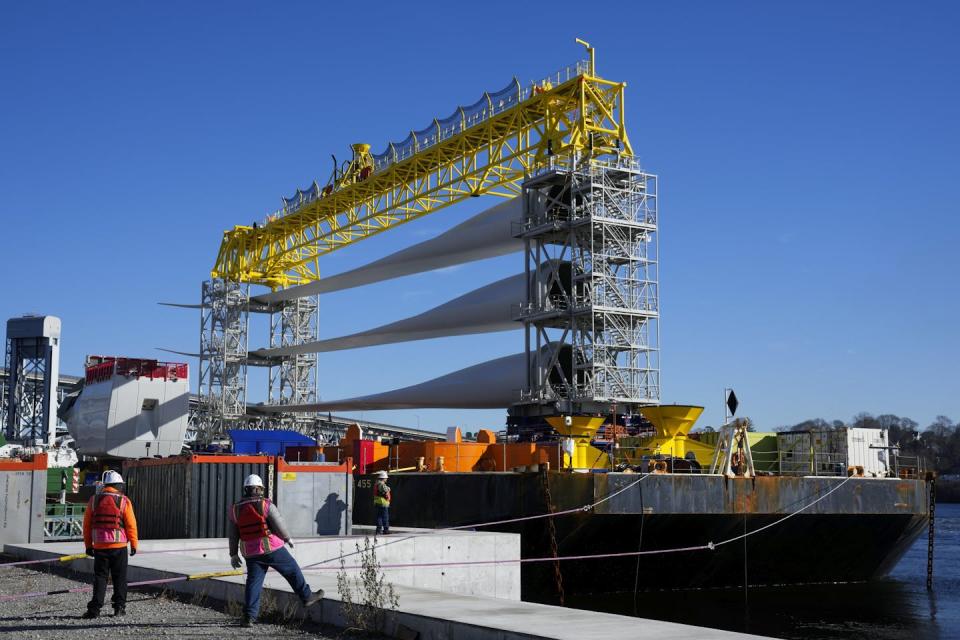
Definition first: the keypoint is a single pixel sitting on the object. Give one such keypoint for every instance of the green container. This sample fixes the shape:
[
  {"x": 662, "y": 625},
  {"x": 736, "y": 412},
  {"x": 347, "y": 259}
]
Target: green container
[
  {"x": 55, "y": 478},
  {"x": 763, "y": 447}
]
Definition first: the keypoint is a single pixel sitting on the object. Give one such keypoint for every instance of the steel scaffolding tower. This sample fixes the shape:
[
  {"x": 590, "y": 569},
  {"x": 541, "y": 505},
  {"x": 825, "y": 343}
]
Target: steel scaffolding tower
[
  {"x": 224, "y": 323},
  {"x": 293, "y": 379},
  {"x": 33, "y": 370},
  {"x": 224, "y": 329},
  {"x": 591, "y": 342}
]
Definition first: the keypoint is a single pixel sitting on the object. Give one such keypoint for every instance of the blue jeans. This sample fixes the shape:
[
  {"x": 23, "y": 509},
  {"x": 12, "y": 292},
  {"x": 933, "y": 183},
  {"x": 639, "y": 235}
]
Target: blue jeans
[
  {"x": 383, "y": 519},
  {"x": 257, "y": 566}
]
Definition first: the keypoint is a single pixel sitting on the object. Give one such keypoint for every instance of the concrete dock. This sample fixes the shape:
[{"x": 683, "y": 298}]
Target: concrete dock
[{"x": 478, "y": 602}]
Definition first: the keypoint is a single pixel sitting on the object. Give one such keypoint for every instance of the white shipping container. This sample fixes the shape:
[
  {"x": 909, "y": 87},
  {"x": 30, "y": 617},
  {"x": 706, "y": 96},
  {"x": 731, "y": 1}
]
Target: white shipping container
[{"x": 869, "y": 448}]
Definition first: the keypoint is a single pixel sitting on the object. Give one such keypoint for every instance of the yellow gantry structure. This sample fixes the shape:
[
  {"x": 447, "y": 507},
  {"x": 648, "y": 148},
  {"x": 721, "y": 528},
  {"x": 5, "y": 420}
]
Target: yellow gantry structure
[{"x": 487, "y": 148}]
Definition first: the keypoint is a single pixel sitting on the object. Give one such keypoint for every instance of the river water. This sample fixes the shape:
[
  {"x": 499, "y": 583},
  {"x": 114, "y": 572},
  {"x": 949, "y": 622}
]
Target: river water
[{"x": 898, "y": 607}]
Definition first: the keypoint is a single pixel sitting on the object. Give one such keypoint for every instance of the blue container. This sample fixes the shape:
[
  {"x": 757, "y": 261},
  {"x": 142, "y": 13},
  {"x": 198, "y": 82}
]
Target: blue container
[{"x": 271, "y": 443}]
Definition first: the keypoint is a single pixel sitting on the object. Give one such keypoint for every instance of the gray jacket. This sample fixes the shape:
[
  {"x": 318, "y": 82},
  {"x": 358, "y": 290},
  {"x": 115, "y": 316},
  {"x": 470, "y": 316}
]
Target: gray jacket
[{"x": 274, "y": 520}]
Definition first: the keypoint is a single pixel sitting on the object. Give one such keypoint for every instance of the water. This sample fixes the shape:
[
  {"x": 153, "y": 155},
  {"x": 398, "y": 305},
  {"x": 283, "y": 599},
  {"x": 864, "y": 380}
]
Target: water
[{"x": 896, "y": 608}]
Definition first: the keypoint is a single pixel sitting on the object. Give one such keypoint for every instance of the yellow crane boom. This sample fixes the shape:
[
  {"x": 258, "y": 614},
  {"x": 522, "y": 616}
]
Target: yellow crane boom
[{"x": 486, "y": 148}]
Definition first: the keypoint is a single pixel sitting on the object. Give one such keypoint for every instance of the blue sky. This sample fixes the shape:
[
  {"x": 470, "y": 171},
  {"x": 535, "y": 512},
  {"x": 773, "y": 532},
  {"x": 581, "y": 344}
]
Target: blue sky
[{"x": 807, "y": 154}]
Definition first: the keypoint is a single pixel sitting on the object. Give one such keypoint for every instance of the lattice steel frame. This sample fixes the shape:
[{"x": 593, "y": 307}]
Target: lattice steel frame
[
  {"x": 294, "y": 379},
  {"x": 31, "y": 397},
  {"x": 602, "y": 217},
  {"x": 224, "y": 325}
]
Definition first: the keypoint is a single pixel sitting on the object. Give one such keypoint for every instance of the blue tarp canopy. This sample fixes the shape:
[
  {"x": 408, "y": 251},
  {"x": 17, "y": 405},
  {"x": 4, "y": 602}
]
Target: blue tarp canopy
[{"x": 273, "y": 442}]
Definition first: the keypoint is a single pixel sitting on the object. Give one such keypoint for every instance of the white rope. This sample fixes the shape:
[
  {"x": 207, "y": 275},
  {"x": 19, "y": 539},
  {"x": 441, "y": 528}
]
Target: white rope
[{"x": 787, "y": 517}]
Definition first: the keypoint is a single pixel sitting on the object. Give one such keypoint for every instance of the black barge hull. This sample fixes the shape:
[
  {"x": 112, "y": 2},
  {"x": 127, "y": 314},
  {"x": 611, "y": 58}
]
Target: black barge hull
[{"x": 857, "y": 532}]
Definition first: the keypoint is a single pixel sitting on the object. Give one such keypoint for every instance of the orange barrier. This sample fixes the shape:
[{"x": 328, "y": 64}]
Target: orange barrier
[
  {"x": 35, "y": 462},
  {"x": 486, "y": 454},
  {"x": 370, "y": 456}
]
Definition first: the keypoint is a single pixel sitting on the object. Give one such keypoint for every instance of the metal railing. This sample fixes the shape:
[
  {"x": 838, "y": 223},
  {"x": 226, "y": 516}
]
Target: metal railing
[
  {"x": 785, "y": 463},
  {"x": 805, "y": 463},
  {"x": 906, "y": 467},
  {"x": 62, "y": 522},
  {"x": 462, "y": 119}
]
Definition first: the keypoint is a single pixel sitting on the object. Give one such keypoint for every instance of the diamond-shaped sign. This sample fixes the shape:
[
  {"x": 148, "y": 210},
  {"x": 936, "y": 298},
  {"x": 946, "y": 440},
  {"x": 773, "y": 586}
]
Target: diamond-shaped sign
[{"x": 732, "y": 403}]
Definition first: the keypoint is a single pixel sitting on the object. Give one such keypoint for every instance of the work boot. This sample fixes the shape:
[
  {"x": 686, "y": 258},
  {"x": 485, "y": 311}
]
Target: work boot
[
  {"x": 90, "y": 614},
  {"x": 119, "y": 612},
  {"x": 247, "y": 622},
  {"x": 313, "y": 599}
]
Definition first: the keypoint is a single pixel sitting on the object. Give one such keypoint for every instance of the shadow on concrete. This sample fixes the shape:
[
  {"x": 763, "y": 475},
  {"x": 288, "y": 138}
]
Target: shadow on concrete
[{"x": 330, "y": 516}]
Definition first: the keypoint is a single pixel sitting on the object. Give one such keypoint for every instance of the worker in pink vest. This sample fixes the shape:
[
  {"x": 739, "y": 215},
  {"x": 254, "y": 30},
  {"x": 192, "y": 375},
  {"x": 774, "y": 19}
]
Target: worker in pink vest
[{"x": 259, "y": 533}]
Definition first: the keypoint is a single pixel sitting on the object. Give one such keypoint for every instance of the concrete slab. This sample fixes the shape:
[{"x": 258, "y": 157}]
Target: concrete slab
[{"x": 436, "y": 615}]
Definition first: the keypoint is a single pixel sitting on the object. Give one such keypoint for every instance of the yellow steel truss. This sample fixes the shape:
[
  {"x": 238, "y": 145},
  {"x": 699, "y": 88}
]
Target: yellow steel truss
[{"x": 579, "y": 118}]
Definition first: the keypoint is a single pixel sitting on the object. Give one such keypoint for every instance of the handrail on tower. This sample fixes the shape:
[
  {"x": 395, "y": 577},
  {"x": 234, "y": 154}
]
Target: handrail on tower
[{"x": 592, "y": 53}]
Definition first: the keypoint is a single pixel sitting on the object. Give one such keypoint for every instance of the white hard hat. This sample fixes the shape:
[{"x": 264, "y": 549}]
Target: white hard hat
[
  {"x": 112, "y": 477},
  {"x": 382, "y": 475},
  {"x": 253, "y": 480}
]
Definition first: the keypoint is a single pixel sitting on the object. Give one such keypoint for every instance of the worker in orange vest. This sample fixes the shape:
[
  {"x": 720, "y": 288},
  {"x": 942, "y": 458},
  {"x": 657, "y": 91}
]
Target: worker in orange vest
[
  {"x": 259, "y": 533},
  {"x": 108, "y": 527}
]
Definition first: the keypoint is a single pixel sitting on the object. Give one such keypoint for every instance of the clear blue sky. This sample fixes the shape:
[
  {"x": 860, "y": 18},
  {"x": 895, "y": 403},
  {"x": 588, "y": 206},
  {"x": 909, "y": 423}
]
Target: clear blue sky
[{"x": 808, "y": 156}]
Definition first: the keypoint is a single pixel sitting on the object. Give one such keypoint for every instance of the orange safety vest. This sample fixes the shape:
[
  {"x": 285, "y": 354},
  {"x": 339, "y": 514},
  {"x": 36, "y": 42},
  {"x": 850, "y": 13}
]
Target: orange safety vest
[
  {"x": 107, "y": 518},
  {"x": 251, "y": 519}
]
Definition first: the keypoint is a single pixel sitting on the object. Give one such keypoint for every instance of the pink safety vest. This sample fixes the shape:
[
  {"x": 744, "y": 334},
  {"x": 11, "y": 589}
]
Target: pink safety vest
[
  {"x": 250, "y": 516},
  {"x": 107, "y": 518}
]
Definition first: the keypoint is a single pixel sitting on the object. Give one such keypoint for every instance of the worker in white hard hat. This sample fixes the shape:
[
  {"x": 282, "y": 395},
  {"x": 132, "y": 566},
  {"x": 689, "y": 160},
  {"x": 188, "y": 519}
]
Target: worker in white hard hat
[
  {"x": 381, "y": 501},
  {"x": 109, "y": 525},
  {"x": 259, "y": 533}
]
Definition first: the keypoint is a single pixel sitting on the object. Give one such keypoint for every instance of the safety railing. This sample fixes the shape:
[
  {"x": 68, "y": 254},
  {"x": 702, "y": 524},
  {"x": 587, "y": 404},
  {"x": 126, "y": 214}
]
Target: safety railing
[
  {"x": 133, "y": 368},
  {"x": 62, "y": 522},
  {"x": 465, "y": 117},
  {"x": 805, "y": 463},
  {"x": 462, "y": 119},
  {"x": 906, "y": 467},
  {"x": 553, "y": 304}
]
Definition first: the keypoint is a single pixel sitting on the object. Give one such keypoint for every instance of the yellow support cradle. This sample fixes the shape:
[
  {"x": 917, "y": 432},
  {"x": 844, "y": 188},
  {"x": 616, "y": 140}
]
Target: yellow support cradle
[
  {"x": 672, "y": 424},
  {"x": 581, "y": 430},
  {"x": 575, "y": 119}
]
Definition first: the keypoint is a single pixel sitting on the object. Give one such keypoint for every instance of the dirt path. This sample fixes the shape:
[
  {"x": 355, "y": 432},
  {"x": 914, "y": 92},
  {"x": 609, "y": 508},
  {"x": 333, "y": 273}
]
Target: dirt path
[{"x": 149, "y": 614}]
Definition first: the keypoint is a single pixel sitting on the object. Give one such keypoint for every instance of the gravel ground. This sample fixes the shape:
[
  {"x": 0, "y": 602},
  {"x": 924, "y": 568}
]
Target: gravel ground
[{"x": 150, "y": 614}]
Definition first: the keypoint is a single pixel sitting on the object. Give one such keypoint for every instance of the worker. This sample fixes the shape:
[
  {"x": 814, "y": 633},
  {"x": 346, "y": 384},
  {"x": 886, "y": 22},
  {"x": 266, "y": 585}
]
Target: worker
[
  {"x": 109, "y": 525},
  {"x": 381, "y": 500},
  {"x": 259, "y": 532}
]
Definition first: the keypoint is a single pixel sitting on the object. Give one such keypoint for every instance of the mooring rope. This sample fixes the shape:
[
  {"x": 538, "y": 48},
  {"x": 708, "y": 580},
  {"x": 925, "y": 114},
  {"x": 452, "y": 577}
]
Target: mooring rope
[{"x": 625, "y": 554}]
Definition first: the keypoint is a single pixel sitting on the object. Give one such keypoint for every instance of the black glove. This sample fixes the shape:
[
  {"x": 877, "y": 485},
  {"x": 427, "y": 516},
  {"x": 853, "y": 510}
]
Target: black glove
[
  {"x": 133, "y": 551},
  {"x": 235, "y": 562},
  {"x": 89, "y": 551},
  {"x": 290, "y": 543}
]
